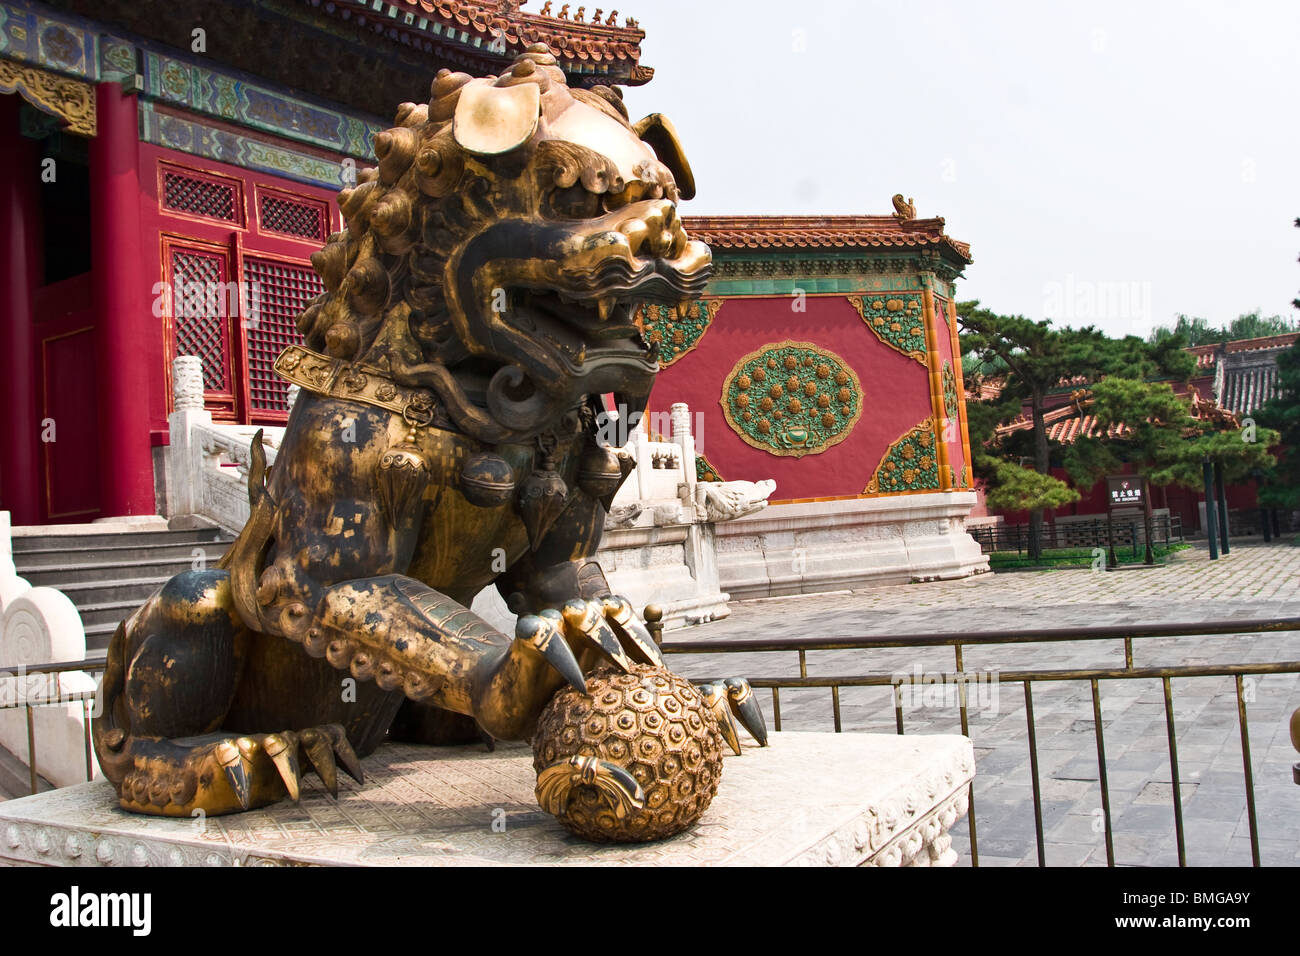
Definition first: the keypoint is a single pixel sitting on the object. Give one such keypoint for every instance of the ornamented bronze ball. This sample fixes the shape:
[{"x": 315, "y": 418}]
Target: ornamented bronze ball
[
  {"x": 651, "y": 724},
  {"x": 487, "y": 480}
]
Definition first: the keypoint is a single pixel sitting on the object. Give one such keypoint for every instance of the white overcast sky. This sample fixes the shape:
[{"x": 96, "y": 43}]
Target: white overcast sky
[{"x": 1112, "y": 163}]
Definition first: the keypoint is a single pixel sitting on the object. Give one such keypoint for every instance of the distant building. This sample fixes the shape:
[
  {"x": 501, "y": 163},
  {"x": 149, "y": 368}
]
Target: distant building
[
  {"x": 1242, "y": 375},
  {"x": 1232, "y": 380}
]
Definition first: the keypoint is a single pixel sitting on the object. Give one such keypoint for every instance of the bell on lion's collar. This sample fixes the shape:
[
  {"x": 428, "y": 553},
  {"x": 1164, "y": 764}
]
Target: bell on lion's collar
[{"x": 541, "y": 499}]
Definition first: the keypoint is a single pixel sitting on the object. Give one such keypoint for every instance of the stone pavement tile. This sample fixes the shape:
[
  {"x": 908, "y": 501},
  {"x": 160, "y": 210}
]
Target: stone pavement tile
[
  {"x": 1082, "y": 767},
  {"x": 1215, "y": 806},
  {"x": 1140, "y": 818},
  {"x": 1067, "y": 854},
  {"x": 1125, "y": 780},
  {"x": 1144, "y": 761},
  {"x": 1076, "y": 828},
  {"x": 1206, "y": 842}
]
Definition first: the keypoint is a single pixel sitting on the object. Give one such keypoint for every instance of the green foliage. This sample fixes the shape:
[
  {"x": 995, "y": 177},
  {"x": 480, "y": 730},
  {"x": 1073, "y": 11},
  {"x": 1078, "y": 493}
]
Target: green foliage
[
  {"x": 1022, "y": 489},
  {"x": 1036, "y": 356},
  {"x": 1068, "y": 557},
  {"x": 1194, "y": 330},
  {"x": 1281, "y": 479},
  {"x": 1157, "y": 427}
]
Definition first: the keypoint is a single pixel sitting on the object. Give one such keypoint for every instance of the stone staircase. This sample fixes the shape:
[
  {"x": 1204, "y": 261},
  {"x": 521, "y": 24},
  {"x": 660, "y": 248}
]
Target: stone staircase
[{"x": 108, "y": 575}]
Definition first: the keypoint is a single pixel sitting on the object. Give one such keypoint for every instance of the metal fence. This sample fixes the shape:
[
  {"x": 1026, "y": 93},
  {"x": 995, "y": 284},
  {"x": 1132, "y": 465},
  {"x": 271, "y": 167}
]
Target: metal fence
[
  {"x": 1094, "y": 676},
  {"x": 1124, "y": 532},
  {"x": 38, "y": 685},
  {"x": 959, "y": 677}
]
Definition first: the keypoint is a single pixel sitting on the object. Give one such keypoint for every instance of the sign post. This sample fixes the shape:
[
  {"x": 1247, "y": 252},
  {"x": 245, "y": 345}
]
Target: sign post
[{"x": 1126, "y": 493}]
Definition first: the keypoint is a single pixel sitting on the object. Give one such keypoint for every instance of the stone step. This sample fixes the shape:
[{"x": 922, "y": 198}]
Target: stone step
[
  {"x": 107, "y": 612},
  {"x": 46, "y": 557},
  {"x": 61, "y": 575},
  {"x": 44, "y": 540},
  {"x": 98, "y": 635},
  {"x": 99, "y": 592}
]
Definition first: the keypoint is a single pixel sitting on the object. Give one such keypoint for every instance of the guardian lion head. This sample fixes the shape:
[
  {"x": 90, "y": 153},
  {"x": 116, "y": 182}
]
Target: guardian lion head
[{"x": 498, "y": 252}]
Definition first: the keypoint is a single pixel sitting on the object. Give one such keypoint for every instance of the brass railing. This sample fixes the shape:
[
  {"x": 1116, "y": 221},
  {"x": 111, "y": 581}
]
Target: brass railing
[
  {"x": 43, "y": 698},
  {"x": 1027, "y": 678}
]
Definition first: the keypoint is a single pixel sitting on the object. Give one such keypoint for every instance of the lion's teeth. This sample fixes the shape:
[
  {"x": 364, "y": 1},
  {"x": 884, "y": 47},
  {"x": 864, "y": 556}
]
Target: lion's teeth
[
  {"x": 683, "y": 307},
  {"x": 605, "y": 306}
]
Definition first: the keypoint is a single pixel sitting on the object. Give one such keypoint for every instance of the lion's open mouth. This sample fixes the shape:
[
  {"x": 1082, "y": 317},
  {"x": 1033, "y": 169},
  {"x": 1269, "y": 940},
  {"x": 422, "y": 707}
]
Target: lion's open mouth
[{"x": 592, "y": 317}]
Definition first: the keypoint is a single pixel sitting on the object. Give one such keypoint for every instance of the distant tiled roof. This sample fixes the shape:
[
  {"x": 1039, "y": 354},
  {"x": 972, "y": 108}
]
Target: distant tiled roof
[
  {"x": 581, "y": 46},
  {"x": 1067, "y": 423},
  {"x": 822, "y": 232}
]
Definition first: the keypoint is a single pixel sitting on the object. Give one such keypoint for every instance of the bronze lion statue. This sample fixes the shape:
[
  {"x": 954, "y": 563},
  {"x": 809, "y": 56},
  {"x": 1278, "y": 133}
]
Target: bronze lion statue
[{"x": 479, "y": 306}]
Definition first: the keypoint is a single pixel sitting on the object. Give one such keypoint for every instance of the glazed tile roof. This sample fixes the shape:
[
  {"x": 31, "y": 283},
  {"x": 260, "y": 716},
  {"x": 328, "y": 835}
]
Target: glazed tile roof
[
  {"x": 823, "y": 232},
  {"x": 581, "y": 45},
  {"x": 1207, "y": 355}
]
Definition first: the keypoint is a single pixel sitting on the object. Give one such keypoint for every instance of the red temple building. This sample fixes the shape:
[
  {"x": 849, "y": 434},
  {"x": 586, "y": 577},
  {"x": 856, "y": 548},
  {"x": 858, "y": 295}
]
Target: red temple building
[{"x": 152, "y": 149}]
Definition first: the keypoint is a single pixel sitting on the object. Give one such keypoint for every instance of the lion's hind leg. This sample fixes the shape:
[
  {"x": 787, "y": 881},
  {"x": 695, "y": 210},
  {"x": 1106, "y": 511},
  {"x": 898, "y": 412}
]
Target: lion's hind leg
[{"x": 172, "y": 671}]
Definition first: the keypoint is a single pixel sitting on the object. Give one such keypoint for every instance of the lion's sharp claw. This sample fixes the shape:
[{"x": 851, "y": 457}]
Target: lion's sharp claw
[
  {"x": 318, "y": 749},
  {"x": 586, "y": 619},
  {"x": 636, "y": 639},
  {"x": 347, "y": 757},
  {"x": 232, "y": 763},
  {"x": 715, "y": 698},
  {"x": 282, "y": 748},
  {"x": 545, "y": 634},
  {"x": 743, "y": 703}
]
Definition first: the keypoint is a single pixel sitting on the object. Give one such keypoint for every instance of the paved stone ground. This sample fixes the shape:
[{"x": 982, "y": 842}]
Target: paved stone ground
[{"x": 1255, "y": 582}]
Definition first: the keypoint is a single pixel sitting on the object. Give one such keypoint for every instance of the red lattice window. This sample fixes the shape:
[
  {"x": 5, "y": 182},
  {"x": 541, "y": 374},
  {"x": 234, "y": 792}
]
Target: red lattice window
[
  {"x": 201, "y": 307},
  {"x": 278, "y": 292},
  {"x": 201, "y": 196},
  {"x": 302, "y": 218}
]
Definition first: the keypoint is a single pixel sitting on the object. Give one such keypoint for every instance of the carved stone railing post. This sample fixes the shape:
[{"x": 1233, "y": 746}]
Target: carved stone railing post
[
  {"x": 681, "y": 417},
  {"x": 640, "y": 442},
  {"x": 185, "y": 454}
]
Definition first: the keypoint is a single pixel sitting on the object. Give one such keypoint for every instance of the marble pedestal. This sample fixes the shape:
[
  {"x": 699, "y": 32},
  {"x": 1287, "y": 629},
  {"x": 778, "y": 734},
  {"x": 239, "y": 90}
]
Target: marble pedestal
[{"x": 808, "y": 799}]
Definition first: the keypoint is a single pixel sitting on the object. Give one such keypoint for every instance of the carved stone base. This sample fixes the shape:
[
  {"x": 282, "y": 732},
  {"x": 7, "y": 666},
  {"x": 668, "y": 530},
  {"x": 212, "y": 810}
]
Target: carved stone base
[
  {"x": 816, "y": 546},
  {"x": 808, "y": 800}
]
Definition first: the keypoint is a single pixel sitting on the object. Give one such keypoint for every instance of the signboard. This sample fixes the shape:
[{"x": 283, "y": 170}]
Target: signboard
[{"x": 1126, "y": 491}]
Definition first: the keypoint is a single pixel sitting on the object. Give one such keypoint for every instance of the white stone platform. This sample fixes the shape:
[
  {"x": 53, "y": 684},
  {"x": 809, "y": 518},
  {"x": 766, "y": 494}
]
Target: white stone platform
[{"x": 808, "y": 799}]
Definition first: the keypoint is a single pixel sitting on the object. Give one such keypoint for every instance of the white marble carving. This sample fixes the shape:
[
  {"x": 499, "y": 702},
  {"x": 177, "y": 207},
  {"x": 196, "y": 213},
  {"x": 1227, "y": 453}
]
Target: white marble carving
[
  {"x": 41, "y": 626},
  {"x": 728, "y": 500},
  {"x": 808, "y": 547}
]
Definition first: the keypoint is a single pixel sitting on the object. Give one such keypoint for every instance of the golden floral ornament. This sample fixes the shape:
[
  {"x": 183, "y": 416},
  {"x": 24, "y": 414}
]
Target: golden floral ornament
[
  {"x": 676, "y": 331},
  {"x": 910, "y": 464},
  {"x": 807, "y": 398},
  {"x": 896, "y": 320}
]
